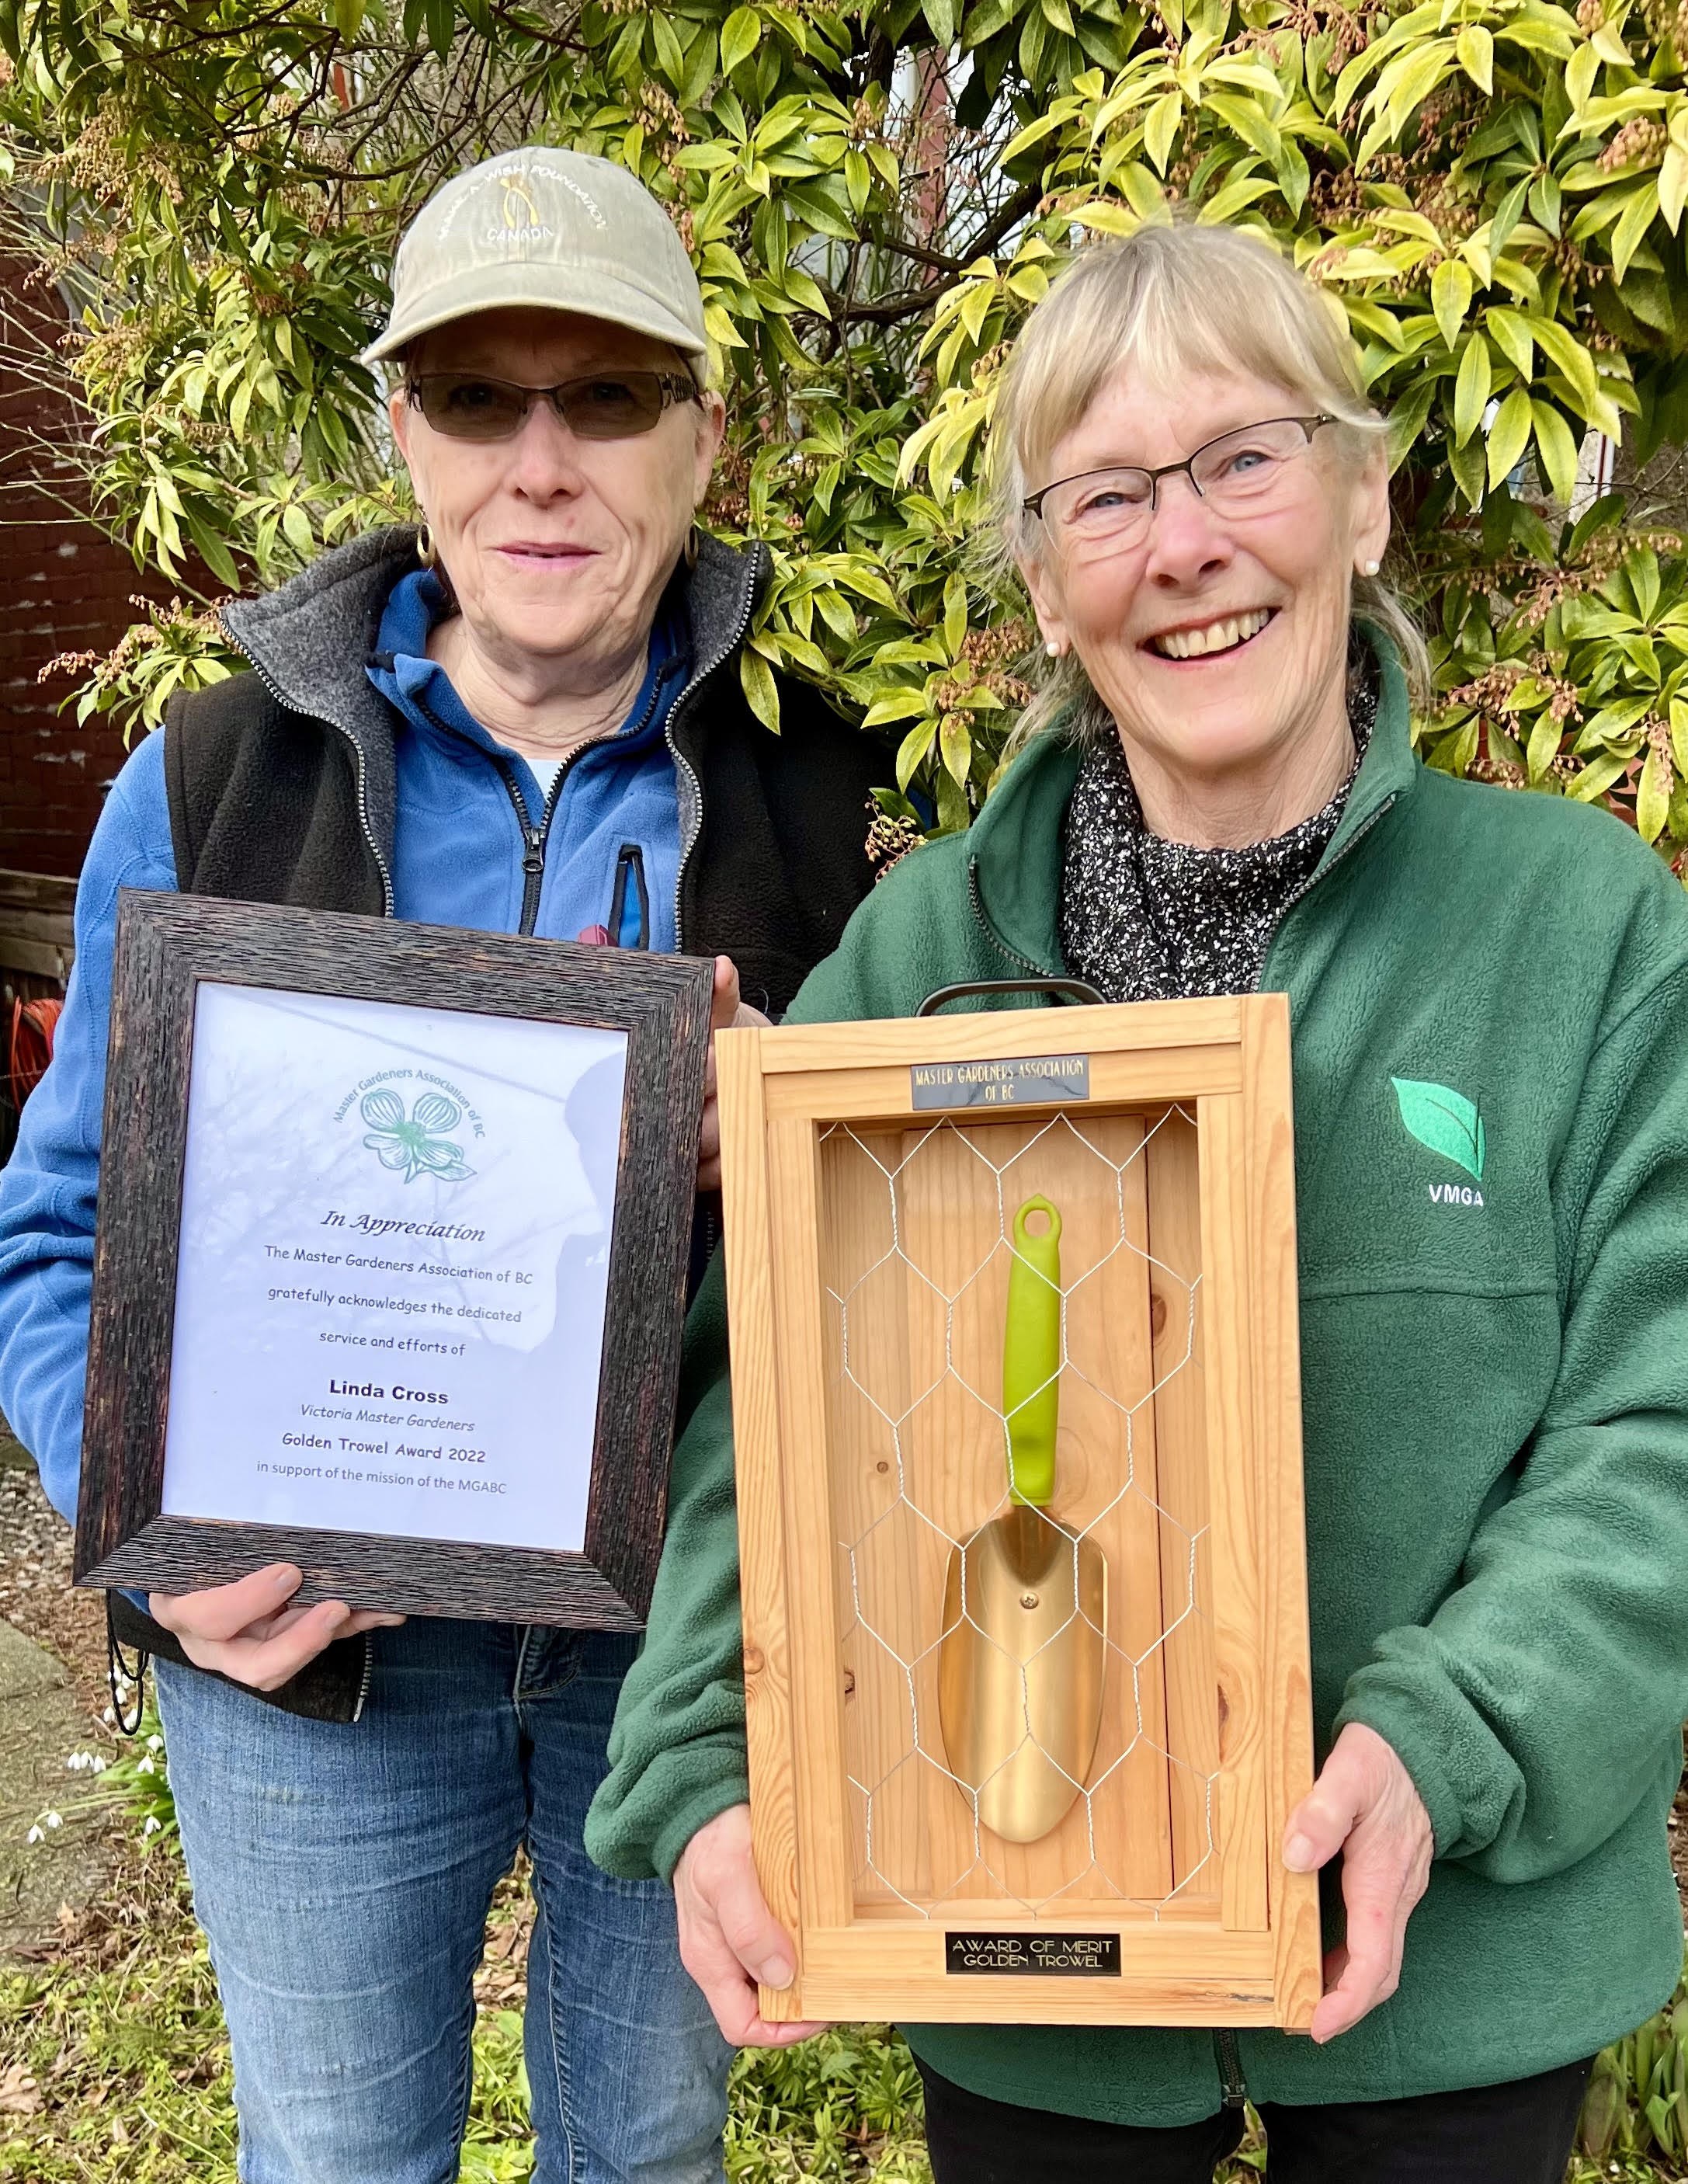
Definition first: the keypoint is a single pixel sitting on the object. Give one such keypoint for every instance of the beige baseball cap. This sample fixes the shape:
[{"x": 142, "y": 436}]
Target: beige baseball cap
[{"x": 562, "y": 231}]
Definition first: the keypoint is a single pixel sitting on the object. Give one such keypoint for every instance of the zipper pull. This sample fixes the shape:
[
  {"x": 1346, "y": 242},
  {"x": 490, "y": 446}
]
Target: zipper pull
[
  {"x": 630, "y": 864},
  {"x": 534, "y": 863},
  {"x": 1233, "y": 2088}
]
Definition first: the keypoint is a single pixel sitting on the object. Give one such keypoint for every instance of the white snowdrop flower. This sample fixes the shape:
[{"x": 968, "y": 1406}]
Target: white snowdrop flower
[
  {"x": 152, "y": 1826},
  {"x": 147, "y": 1766},
  {"x": 54, "y": 1820},
  {"x": 108, "y": 1716},
  {"x": 35, "y": 1835},
  {"x": 97, "y": 1763},
  {"x": 155, "y": 1744}
]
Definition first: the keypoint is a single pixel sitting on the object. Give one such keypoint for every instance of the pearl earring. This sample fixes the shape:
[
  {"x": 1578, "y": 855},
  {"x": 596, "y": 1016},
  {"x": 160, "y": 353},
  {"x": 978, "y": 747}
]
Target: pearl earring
[
  {"x": 1053, "y": 649},
  {"x": 1370, "y": 568}
]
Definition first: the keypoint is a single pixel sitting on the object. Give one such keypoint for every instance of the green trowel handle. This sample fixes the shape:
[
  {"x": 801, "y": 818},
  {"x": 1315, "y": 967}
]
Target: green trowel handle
[{"x": 1031, "y": 1356}]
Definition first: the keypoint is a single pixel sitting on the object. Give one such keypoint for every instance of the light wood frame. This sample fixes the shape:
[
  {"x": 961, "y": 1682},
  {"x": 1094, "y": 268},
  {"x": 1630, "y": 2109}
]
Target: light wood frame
[{"x": 1243, "y": 1948}]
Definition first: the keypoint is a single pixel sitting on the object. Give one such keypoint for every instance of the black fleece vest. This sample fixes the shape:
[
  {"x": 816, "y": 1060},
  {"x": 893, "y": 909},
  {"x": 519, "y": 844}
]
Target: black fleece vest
[{"x": 264, "y": 804}]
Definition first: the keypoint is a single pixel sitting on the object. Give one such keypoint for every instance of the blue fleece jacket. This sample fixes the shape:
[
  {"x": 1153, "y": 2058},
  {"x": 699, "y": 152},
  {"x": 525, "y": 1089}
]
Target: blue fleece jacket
[
  {"x": 459, "y": 842},
  {"x": 619, "y": 793}
]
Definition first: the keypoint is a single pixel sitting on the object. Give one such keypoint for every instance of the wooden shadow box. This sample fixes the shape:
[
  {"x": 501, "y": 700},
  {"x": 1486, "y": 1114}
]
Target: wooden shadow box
[{"x": 875, "y": 1178}]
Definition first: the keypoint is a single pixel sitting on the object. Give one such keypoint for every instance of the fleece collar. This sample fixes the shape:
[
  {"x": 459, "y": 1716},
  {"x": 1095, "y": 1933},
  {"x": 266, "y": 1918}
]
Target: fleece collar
[
  {"x": 420, "y": 689},
  {"x": 310, "y": 643},
  {"x": 1014, "y": 845}
]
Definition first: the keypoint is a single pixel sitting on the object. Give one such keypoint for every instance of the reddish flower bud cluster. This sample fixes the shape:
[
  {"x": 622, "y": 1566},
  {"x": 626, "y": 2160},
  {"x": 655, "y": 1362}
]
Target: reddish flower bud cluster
[
  {"x": 1639, "y": 141},
  {"x": 889, "y": 840}
]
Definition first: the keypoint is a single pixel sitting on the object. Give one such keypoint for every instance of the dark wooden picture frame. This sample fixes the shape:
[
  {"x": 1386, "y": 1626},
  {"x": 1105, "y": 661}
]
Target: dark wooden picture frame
[{"x": 167, "y": 946}]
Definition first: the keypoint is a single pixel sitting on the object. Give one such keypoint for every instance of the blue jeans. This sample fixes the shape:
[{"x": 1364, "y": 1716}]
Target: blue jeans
[{"x": 342, "y": 1874}]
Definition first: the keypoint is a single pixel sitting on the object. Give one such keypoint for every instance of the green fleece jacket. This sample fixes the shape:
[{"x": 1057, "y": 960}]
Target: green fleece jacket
[{"x": 1495, "y": 1390}]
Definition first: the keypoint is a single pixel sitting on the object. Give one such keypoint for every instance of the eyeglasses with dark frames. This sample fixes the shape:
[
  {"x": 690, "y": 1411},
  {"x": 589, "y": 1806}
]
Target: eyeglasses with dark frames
[
  {"x": 1238, "y": 472},
  {"x": 606, "y": 405}
]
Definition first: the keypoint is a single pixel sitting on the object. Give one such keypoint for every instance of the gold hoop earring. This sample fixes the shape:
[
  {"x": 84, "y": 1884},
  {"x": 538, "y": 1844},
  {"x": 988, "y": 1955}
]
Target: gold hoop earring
[
  {"x": 426, "y": 552},
  {"x": 694, "y": 546}
]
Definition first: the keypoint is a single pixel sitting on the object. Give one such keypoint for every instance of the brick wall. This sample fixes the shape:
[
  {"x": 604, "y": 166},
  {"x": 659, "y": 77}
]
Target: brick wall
[{"x": 63, "y": 588}]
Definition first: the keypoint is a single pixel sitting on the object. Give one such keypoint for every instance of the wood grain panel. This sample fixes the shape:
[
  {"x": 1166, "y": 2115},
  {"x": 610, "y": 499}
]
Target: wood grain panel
[
  {"x": 37, "y": 927},
  {"x": 954, "y": 1214},
  {"x": 875, "y": 1547},
  {"x": 769, "y": 1730},
  {"x": 1176, "y": 1976},
  {"x": 880, "y": 1094},
  {"x": 1164, "y": 1027},
  {"x": 1275, "y": 1326},
  {"x": 1181, "y": 1447},
  {"x": 1235, "y": 1531},
  {"x": 40, "y": 959},
  {"x": 824, "y": 1874},
  {"x": 406, "y": 1576}
]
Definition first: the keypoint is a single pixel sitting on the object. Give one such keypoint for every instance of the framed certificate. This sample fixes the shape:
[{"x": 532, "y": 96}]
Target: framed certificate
[{"x": 389, "y": 1272}]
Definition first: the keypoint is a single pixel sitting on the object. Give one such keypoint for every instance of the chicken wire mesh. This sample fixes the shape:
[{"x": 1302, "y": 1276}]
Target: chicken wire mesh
[{"x": 1090, "y": 1601}]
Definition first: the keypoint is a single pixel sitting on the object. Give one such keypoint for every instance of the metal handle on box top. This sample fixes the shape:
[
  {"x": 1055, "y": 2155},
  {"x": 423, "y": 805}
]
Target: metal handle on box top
[{"x": 1071, "y": 989}]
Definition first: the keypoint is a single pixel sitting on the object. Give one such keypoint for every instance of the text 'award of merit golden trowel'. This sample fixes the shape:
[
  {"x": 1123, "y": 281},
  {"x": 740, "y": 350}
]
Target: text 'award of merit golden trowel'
[{"x": 1021, "y": 1657}]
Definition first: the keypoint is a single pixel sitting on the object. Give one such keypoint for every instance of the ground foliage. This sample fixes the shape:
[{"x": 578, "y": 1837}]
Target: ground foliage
[
  {"x": 114, "y": 2063},
  {"x": 1491, "y": 190},
  {"x": 114, "y": 2059}
]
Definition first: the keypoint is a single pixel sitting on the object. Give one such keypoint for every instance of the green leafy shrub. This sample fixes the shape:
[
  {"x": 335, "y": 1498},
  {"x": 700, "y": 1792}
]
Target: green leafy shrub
[
  {"x": 1492, "y": 191},
  {"x": 1637, "y": 2103}
]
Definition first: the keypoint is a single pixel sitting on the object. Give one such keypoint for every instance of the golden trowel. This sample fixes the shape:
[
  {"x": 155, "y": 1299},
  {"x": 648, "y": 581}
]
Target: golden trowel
[{"x": 1025, "y": 1601}]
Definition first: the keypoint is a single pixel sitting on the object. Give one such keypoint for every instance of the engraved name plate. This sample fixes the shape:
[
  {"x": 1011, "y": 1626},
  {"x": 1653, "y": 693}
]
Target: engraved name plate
[
  {"x": 1041, "y": 1955},
  {"x": 1038, "y": 1079}
]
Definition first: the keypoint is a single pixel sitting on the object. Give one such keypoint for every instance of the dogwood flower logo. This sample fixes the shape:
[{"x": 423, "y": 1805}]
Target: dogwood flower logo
[{"x": 417, "y": 1142}]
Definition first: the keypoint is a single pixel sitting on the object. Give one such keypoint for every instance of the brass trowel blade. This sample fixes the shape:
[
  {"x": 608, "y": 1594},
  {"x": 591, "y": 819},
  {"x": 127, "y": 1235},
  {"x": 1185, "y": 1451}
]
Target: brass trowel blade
[{"x": 1020, "y": 1669}]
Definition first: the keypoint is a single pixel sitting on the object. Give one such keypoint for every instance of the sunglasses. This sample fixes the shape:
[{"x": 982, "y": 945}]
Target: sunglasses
[{"x": 465, "y": 405}]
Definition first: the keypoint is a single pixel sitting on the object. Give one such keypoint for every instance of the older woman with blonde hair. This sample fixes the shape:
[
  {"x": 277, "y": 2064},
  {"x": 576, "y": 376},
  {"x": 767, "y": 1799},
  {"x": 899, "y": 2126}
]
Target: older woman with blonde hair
[
  {"x": 1218, "y": 792},
  {"x": 524, "y": 715}
]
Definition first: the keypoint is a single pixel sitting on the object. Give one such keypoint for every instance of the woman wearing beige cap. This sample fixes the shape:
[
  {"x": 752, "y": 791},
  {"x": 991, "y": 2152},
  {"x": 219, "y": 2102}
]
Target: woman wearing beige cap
[{"x": 526, "y": 717}]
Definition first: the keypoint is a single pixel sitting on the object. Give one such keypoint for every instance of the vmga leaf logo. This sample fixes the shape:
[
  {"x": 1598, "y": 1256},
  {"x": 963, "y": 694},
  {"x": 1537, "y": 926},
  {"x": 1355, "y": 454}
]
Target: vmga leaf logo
[
  {"x": 416, "y": 1143},
  {"x": 1444, "y": 1120}
]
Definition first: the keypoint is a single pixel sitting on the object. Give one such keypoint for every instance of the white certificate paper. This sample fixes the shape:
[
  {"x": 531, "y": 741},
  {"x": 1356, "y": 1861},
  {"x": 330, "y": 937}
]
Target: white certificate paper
[{"x": 395, "y": 1249}]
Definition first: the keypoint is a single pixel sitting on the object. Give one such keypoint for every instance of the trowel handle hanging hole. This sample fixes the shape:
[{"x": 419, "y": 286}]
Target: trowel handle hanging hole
[{"x": 1036, "y": 1222}]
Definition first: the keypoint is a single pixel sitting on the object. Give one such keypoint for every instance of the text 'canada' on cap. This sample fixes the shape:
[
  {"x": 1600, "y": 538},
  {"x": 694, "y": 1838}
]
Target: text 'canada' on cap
[{"x": 557, "y": 229}]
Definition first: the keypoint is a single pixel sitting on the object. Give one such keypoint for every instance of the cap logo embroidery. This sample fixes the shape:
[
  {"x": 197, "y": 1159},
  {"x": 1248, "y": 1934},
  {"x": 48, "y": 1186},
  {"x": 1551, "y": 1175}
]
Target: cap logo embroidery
[
  {"x": 520, "y": 209},
  {"x": 521, "y": 223}
]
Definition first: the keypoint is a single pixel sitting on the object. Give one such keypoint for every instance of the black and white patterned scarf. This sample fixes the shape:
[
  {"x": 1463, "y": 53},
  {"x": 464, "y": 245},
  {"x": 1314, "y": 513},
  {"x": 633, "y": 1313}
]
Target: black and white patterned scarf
[{"x": 1143, "y": 919}]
